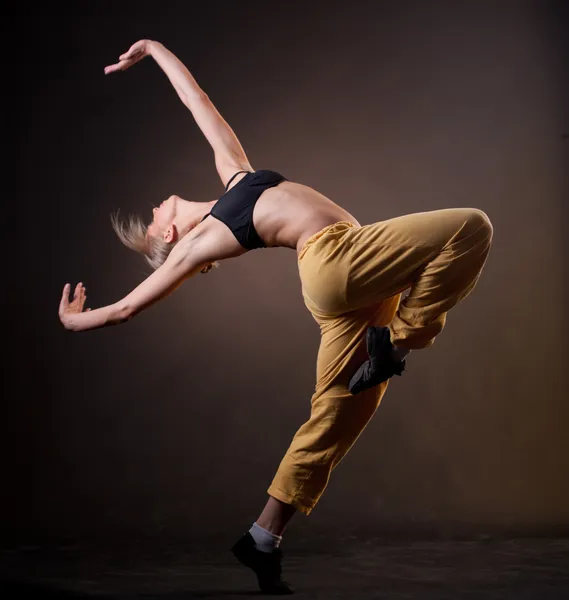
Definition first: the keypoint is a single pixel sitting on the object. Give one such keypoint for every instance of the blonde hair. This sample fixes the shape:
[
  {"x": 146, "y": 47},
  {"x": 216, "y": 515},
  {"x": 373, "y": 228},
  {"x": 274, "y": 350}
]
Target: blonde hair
[{"x": 133, "y": 233}]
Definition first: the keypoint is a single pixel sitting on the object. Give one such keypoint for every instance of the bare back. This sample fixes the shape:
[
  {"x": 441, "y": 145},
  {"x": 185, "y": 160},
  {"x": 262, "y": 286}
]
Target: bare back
[{"x": 285, "y": 216}]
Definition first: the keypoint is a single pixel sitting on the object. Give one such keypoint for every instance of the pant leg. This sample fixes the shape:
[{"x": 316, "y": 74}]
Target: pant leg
[
  {"x": 337, "y": 418},
  {"x": 439, "y": 255}
]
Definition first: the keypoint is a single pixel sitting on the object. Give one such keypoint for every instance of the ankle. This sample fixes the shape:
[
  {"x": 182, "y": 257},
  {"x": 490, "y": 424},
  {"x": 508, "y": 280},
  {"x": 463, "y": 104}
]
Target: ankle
[
  {"x": 265, "y": 540},
  {"x": 272, "y": 528}
]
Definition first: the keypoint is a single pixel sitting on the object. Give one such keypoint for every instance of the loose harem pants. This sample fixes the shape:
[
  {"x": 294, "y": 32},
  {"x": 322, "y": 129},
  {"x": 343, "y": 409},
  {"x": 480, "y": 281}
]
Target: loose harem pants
[{"x": 352, "y": 277}]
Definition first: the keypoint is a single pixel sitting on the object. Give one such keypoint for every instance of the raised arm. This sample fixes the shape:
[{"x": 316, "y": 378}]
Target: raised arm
[
  {"x": 229, "y": 154},
  {"x": 187, "y": 258}
]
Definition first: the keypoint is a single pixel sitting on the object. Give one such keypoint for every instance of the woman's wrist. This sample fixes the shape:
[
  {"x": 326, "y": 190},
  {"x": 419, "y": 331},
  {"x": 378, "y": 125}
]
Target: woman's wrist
[
  {"x": 105, "y": 316},
  {"x": 151, "y": 45}
]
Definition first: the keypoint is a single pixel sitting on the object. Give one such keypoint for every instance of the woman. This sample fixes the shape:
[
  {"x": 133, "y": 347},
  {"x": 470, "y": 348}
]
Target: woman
[{"x": 352, "y": 277}]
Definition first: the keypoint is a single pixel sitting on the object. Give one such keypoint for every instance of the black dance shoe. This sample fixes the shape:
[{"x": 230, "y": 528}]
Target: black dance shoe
[
  {"x": 380, "y": 366},
  {"x": 266, "y": 565}
]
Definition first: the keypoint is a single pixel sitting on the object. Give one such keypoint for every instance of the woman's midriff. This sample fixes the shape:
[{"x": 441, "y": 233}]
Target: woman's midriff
[{"x": 291, "y": 213}]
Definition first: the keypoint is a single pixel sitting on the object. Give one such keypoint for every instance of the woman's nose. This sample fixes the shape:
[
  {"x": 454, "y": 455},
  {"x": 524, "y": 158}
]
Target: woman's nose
[{"x": 154, "y": 210}]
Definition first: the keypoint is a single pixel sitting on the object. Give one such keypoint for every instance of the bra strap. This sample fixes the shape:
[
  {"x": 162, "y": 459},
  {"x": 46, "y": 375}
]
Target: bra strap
[{"x": 234, "y": 176}]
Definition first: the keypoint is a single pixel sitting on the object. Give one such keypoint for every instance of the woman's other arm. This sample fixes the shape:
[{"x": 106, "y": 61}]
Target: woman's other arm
[
  {"x": 229, "y": 154},
  {"x": 186, "y": 259}
]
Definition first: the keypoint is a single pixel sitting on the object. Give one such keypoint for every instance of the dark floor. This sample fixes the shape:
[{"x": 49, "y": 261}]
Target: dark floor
[{"x": 515, "y": 569}]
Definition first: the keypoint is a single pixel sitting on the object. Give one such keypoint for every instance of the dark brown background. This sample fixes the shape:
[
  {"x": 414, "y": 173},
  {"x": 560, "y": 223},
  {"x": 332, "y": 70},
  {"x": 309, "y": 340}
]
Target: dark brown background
[{"x": 174, "y": 424}]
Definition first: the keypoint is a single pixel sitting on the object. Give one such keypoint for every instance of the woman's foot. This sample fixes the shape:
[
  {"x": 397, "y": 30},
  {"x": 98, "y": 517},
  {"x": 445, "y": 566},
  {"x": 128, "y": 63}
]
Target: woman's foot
[{"x": 381, "y": 364}]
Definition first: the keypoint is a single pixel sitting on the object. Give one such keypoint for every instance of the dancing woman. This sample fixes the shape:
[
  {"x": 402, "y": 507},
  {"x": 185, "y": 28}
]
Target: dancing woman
[{"x": 352, "y": 278}]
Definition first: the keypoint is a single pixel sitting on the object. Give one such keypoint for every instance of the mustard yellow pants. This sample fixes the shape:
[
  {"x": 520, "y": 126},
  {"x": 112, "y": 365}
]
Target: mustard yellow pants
[{"x": 352, "y": 277}]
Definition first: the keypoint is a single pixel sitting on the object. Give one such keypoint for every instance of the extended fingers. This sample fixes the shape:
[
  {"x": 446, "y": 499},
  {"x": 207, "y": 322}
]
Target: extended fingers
[
  {"x": 130, "y": 57},
  {"x": 80, "y": 295},
  {"x": 112, "y": 68},
  {"x": 64, "y": 302}
]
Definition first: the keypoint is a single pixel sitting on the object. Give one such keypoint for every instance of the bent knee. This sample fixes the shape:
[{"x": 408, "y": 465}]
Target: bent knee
[{"x": 480, "y": 223}]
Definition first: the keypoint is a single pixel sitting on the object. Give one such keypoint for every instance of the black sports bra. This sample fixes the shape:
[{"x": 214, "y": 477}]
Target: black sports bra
[{"x": 235, "y": 207}]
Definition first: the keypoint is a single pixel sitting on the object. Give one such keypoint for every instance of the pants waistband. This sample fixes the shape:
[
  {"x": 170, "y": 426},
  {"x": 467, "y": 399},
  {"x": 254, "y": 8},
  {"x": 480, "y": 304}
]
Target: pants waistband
[{"x": 328, "y": 229}]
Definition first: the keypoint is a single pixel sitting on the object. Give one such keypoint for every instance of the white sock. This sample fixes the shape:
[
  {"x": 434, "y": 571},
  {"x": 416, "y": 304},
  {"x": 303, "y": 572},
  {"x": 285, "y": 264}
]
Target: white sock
[
  {"x": 399, "y": 354},
  {"x": 265, "y": 541}
]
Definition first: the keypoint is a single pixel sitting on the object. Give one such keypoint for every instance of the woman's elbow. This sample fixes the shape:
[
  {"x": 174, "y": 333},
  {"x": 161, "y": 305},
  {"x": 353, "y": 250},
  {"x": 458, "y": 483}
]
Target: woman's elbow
[{"x": 124, "y": 311}]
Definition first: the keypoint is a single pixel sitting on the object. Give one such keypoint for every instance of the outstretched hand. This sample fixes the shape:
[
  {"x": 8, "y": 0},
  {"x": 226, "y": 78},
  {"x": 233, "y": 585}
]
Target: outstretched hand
[
  {"x": 134, "y": 54},
  {"x": 68, "y": 309}
]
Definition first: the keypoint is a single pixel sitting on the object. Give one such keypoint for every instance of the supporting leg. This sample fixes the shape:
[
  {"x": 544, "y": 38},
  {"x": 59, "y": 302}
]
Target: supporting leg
[
  {"x": 335, "y": 423},
  {"x": 336, "y": 418}
]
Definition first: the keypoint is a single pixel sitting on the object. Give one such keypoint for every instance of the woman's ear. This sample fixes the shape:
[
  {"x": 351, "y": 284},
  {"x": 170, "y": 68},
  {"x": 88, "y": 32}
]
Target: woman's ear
[{"x": 170, "y": 234}]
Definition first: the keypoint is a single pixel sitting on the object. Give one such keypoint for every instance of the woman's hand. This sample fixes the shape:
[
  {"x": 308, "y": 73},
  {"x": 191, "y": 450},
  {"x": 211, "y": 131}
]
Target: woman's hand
[
  {"x": 67, "y": 310},
  {"x": 135, "y": 53}
]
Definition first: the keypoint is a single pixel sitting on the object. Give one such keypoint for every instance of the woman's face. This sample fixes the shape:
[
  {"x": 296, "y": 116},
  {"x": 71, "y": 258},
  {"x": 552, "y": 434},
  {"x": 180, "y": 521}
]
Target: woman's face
[{"x": 163, "y": 216}]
